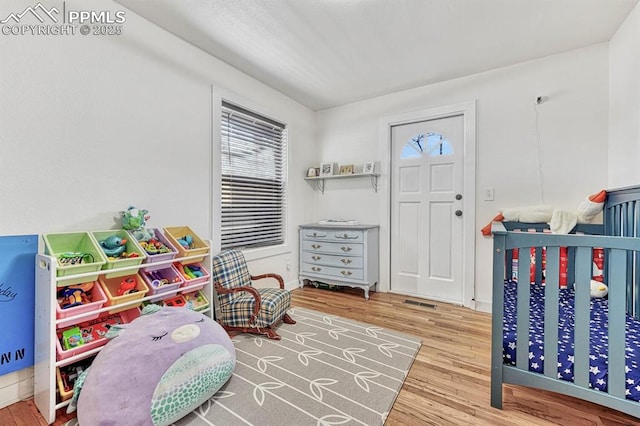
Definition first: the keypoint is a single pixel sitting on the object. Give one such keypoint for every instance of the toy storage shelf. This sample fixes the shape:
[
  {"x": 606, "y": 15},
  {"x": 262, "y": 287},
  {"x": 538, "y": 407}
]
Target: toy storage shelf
[{"x": 45, "y": 333}]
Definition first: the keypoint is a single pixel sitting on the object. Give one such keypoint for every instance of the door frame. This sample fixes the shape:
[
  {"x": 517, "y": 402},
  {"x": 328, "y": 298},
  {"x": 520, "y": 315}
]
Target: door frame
[{"x": 468, "y": 111}]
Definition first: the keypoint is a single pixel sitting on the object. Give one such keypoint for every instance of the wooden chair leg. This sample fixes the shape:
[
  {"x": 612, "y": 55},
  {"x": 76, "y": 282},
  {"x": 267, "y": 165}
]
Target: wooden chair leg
[
  {"x": 287, "y": 319},
  {"x": 271, "y": 334}
]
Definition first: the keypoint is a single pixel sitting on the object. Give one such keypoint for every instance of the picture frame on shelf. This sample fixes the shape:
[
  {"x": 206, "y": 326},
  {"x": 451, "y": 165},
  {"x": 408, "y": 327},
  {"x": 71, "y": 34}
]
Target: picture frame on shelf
[
  {"x": 369, "y": 167},
  {"x": 346, "y": 169},
  {"x": 311, "y": 172},
  {"x": 326, "y": 169}
]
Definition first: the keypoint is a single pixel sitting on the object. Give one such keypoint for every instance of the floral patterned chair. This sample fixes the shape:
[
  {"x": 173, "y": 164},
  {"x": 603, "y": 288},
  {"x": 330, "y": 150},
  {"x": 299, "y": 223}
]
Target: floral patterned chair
[{"x": 243, "y": 307}]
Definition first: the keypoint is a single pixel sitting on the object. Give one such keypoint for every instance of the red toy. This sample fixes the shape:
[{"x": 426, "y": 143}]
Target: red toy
[{"x": 128, "y": 285}]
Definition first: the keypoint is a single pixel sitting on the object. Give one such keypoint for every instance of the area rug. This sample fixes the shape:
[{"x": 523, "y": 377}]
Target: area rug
[{"x": 325, "y": 370}]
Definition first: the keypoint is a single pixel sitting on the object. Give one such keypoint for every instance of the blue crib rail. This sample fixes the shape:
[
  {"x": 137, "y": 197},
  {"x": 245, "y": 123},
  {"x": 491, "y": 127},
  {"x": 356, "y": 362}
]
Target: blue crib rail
[
  {"x": 622, "y": 218},
  {"x": 621, "y": 254}
]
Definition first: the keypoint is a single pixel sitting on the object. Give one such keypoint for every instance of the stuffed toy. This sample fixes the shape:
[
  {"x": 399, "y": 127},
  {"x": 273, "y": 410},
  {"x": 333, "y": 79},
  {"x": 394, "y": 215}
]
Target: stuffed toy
[
  {"x": 159, "y": 368},
  {"x": 144, "y": 234},
  {"x": 598, "y": 290},
  {"x": 133, "y": 218},
  {"x": 560, "y": 221}
]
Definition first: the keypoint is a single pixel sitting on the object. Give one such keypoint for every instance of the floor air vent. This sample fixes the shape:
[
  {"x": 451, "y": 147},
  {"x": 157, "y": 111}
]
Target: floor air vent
[{"x": 424, "y": 305}]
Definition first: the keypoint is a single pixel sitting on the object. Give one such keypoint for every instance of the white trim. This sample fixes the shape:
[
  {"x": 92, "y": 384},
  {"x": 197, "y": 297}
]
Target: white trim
[
  {"x": 483, "y": 306},
  {"x": 215, "y": 178},
  {"x": 292, "y": 284},
  {"x": 468, "y": 110}
]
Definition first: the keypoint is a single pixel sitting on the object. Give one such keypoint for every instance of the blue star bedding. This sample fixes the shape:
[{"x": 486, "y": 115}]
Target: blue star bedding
[{"x": 598, "y": 338}]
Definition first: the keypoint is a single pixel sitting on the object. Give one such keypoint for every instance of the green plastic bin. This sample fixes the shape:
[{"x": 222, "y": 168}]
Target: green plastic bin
[
  {"x": 131, "y": 245},
  {"x": 80, "y": 243}
]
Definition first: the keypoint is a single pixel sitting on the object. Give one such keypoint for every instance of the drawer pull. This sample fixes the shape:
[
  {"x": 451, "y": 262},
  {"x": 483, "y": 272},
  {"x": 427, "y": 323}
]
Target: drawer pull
[
  {"x": 347, "y": 273},
  {"x": 343, "y": 248},
  {"x": 316, "y": 257},
  {"x": 316, "y": 234},
  {"x": 347, "y": 236},
  {"x": 315, "y": 246},
  {"x": 345, "y": 260},
  {"x": 316, "y": 269}
]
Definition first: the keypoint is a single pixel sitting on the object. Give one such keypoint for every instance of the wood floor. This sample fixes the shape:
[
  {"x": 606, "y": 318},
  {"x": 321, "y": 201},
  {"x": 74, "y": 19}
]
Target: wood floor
[{"x": 449, "y": 381}]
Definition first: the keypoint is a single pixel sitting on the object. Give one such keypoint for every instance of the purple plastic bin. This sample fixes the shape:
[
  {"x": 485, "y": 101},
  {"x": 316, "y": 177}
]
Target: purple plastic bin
[
  {"x": 153, "y": 258},
  {"x": 152, "y": 278}
]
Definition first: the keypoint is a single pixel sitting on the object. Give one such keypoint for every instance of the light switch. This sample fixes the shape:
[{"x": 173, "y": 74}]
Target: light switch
[{"x": 489, "y": 194}]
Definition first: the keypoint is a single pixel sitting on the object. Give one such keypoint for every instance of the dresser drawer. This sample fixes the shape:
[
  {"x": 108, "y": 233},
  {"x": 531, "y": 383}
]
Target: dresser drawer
[
  {"x": 346, "y": 235},
  {"x": 332, "y": 248},
  {"x": 343, "y": 273},
  {"x": 332, "y": 260}
]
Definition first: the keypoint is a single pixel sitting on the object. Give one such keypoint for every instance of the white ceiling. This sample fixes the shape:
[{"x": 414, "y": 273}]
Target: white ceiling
[{"x": 325, "y": 53}]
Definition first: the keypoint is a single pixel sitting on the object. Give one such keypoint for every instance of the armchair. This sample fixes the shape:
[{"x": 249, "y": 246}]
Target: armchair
[{"x": 243, "y": 307}]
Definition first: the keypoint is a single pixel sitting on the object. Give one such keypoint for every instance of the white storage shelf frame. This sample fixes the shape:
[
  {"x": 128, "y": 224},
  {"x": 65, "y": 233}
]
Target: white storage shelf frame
[{"x": 45, "y": 333}]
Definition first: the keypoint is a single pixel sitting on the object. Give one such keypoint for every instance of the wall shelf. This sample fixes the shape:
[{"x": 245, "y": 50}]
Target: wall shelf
[{"x": 319, "y": 180}]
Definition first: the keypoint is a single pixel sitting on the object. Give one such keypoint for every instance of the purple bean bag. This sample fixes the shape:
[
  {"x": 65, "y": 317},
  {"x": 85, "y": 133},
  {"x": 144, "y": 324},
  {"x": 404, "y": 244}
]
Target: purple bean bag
[{"x": 159, "y": 368}]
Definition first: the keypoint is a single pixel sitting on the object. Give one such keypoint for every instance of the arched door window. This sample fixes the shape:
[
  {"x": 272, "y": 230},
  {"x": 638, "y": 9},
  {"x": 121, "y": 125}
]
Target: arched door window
[{"x": 431, "y": 144}]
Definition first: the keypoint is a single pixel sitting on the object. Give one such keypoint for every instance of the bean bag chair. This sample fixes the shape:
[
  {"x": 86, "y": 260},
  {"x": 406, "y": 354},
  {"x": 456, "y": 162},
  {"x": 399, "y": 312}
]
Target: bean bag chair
[{"x": 160, "y": 367}]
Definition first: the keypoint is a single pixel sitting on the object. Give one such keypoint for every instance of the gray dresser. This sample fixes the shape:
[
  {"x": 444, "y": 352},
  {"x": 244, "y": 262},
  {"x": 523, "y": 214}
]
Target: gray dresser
[{"x": 340, "y": 255}]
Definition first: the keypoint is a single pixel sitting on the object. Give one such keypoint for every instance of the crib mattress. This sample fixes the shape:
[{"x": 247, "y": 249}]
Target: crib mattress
[{"x": 598, "y": 338}]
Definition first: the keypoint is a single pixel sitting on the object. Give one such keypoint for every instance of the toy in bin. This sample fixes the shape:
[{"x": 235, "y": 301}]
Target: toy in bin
[
  {"x": 98, "y": 328},
  {"x": 186, "y": 242},
  {"x": 189, "y": 272},
  {"x": 127, "y": 286},
  {"x": 158, "y": 280},
  {"x": 114, "y": 247},
  {"x": 176, "y": 302},
  {"x": 196, "y": 301},
  {"x": 74, "y": 295},
  {"x": 72, "y": 338},
  {"x": 68, "y": 374},
  {"x": 154, "y": 246},
  {"x": 74, "y": 258}
]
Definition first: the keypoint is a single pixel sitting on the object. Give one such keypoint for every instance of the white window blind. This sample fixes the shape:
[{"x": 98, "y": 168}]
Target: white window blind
[{"x": 253, "y": 179}]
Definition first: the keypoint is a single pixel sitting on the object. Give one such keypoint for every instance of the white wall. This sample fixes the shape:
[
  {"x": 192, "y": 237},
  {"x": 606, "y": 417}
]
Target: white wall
[
  {"x": 93, "y": 124},
  {"x": 570, "y": 125},
  {"x": 624, "y": 103}
]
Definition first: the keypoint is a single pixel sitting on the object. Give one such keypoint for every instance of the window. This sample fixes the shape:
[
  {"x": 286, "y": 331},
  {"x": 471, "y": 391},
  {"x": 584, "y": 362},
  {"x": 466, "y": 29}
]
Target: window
[
  {"x": 253, "y": 179},
  {"x": 436, "y": 145}
]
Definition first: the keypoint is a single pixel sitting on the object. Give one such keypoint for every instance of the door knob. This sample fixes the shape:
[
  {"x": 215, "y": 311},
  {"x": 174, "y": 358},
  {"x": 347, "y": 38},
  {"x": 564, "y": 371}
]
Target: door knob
[
  {"x": 458, "y": 212},
  {"x": 458, "y": 196}
]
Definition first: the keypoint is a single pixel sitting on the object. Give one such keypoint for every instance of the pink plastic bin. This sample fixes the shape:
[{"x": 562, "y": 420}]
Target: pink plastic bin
[
  {"x": 189, "y": 282},
  {"x": 171, "y": 274},
  {"x": 98, "y": 299},
  {"x": 93, "y": 331}
]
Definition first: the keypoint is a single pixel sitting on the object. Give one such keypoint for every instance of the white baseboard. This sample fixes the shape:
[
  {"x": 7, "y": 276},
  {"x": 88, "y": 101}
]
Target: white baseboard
[
  {"x": 292, "y": 285},
  {"x": 483, "y": 306}
]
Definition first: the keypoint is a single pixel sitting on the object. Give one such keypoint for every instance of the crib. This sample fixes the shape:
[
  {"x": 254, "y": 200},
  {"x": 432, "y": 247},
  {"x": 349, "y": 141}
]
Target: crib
[{"x": 583, "y": 347}]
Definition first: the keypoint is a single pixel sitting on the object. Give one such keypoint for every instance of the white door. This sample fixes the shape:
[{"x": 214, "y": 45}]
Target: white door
[{"x": 426, "y": 208}]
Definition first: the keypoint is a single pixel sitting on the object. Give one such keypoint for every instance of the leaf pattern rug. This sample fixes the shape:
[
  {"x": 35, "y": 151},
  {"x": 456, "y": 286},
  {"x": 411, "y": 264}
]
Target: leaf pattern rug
[{"x": 326, "y": 370}]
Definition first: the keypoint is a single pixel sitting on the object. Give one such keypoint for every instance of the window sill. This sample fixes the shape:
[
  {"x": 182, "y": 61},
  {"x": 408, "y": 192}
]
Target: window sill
[{"x": 265, "y": 252}]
